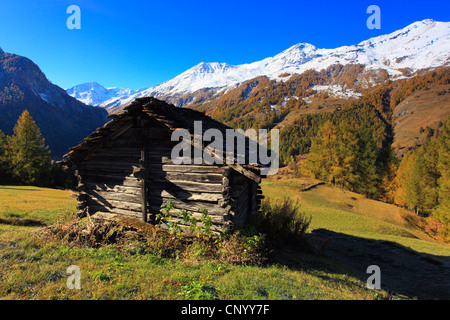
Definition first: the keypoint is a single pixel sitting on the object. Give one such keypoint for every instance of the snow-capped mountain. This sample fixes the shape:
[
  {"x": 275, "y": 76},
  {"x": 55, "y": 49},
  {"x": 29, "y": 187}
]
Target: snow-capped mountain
[
  {"x": 421, "y": 45},
  {"x": 95, "y": 94}
]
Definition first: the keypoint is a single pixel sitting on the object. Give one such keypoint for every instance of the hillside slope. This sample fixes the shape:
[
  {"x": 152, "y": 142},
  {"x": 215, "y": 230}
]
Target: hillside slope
[
  {"x": 357, "y": 232},
  {"x": 63, "y": 120},
  {"x": 425, "y": 108}
]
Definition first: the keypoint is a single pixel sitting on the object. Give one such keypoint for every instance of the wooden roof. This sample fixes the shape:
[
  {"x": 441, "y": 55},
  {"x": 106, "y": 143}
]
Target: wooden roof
[{"x": 169, "y": 115}]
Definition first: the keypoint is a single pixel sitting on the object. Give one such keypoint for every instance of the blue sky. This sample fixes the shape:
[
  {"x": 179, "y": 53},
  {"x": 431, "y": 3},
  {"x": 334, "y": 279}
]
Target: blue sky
[{"x": 136, "y": 44}]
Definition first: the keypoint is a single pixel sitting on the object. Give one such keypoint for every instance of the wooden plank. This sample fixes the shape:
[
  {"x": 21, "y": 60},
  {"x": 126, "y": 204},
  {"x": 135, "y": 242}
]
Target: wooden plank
[
  {"x": 118, "y": 157},
  {"x": 187, "y": 186},
  {"x": 225, "y": 182},
  {"x": 109, "y": 181},
  {"x": 116, "y": 196},
  {"x": 242, "y": 202},
  {"x": 161, "y": 143},
  {"x": 186, "y": 168},
  {"x": 195, "y": 206},
  {"x": 249, "y": 174},
  {"x": 98, "y": 208},
  {"x": 101, "y": 175},
  {"x": 111, "y": 204},
  {"x": 167, "y": 159},
  {"x": 115, "y": 189},
  {"x": 159, "y": 151},
  {"x": 120, "y": 151},
  {"x": 194, "y": 177},
  {"x": 144, "y": 184},
  {"x": 118, "y": 173},
  {"x": 236, "y": 193},
  {"x": 121, "y": 131},
  {"x": 159, "y": 159},
  {"x": 238, "y": 179},
  {"x": 110, "y": 165},
  {"x": 126, "y": 143},
  {"x": 185, "y": 195},
  {"x": 241, "y": 211}
]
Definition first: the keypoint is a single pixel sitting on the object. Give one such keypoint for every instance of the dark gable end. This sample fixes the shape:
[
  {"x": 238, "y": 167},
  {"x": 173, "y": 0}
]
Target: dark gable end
[
  {"x": 170, "y": 116},
  {"x": 125, "y": 168}
]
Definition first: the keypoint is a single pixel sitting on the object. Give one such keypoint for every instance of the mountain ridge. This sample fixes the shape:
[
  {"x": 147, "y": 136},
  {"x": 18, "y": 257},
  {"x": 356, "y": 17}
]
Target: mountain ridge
[
  {"x": 92, "y": 93},
  {"x": 420, "y": 45},
  {"x": 63, "y": 120}
]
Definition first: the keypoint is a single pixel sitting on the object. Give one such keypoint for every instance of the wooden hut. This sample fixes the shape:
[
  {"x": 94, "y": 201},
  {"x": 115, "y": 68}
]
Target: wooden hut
[{"x": 125, "y": 168}]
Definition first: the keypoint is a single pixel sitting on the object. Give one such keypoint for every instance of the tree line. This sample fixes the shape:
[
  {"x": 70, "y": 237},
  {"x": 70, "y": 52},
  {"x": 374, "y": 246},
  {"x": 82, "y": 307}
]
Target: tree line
[
  {"x": 348, "y": 155},
  {"x": 422, "y": 179},
  {"x": 25, "y": 159},
  {"x": 352, "y": 149}
]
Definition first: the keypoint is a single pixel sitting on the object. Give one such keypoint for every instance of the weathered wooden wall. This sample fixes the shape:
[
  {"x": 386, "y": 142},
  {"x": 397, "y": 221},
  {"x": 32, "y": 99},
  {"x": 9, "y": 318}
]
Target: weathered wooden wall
[{"x": 107, "y": 182}]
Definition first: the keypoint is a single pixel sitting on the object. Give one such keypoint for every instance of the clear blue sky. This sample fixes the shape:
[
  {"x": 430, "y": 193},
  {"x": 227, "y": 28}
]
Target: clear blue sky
[{"x": 137, "y": 44}]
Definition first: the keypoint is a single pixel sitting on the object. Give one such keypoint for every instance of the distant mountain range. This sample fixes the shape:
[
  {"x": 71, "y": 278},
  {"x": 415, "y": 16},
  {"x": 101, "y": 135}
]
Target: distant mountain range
[
  {"x": 95, "y": 94},
  {"x": 63, "y": 120},
  {"x": 264, "y": 88},
  {"x": 421, "y": 45}
]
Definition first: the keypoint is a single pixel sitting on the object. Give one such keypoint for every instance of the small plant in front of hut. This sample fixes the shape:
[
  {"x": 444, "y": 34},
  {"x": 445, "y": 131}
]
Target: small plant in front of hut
[
  {"x": 165, "y": 214},
  {"x": 200, "y": 227},
  {"x": 205, "y": 229},
  {"x": 166, "y": 217}
]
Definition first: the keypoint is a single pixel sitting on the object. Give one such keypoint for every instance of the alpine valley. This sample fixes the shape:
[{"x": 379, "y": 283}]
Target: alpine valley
[
  {"x": 407, "y": 68},
  {"x": 361, "y": 195}
]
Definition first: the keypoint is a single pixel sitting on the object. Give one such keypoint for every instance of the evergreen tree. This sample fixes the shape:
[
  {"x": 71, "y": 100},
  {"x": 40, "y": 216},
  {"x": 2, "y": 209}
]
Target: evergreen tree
[
  {"x": 427, "y": 162},
  {"x": 413, "y": 183},
  {"x": 344, "y": 171},
  {"x": 345, "y": 156},
  {"x": 367, "y": 165},
  {"x": 29, "y": 156},
  {"x": 5, "y": 173},
  {"x": 323, "y": 157},
  {"x": 401, "y": 181},
  {"x": 442, "y": 211},
  {"x": 420, "y": 178}
]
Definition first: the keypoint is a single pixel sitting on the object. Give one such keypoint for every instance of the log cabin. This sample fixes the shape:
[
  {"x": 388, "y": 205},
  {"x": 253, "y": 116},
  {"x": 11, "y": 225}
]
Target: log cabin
[{"x": 125, "y": 168}]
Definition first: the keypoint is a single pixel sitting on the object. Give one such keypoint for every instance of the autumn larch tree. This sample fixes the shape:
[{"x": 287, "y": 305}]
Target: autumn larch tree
[{"x": 28, "y": 155}]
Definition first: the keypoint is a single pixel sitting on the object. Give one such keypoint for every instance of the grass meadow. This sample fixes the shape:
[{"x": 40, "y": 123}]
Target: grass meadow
[{"x": 33, "y": 267}]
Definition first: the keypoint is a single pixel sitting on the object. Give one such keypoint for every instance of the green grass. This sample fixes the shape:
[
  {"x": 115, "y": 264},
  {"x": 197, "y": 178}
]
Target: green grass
[
  {"x": 36, "y": 268},
  {"x": 346, "y": 212},
  {"x": 38, "y": 271},
  {"x": 41, "y": 204}
]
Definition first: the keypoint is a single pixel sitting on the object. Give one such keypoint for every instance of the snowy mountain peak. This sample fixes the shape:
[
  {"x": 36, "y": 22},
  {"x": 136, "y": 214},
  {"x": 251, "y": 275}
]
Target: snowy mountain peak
[
  {"x": 210, "y": 67},
  {"x": 95, "y": 94},
  {"x": 420, "y": 45},
  {"x": 303, "y": 47},
  {"x": 89, "y": 86},
  {"x": 295, "y": 55}
]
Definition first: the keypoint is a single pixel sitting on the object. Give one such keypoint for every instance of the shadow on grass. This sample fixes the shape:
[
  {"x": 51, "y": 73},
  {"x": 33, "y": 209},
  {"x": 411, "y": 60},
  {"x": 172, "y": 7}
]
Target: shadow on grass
[
  {"x": 404, "y": 272},
  {"x": 19, "y": 188},
  {"x": 26, "y": 222}
]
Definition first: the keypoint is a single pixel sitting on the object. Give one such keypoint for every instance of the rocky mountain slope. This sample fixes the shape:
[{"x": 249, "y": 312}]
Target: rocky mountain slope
[{"x": 63, "y": 120}]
